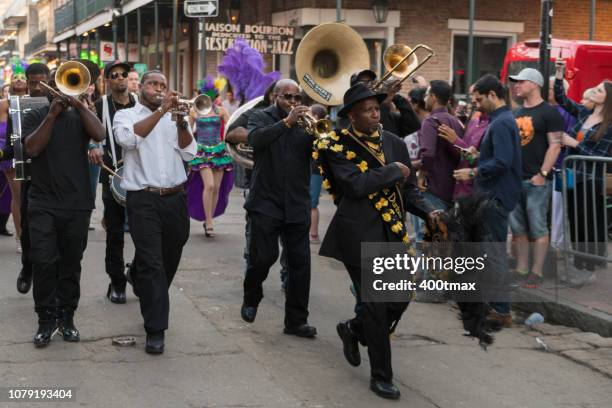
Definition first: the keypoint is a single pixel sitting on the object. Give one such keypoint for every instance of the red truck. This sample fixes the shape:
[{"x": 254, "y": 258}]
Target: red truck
[{"x": 587, "y": 62}]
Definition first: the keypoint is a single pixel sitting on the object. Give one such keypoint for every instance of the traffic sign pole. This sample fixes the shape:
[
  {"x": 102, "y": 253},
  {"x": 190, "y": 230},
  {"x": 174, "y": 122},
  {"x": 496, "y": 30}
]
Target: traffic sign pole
[{"x": 202, "y": 48}]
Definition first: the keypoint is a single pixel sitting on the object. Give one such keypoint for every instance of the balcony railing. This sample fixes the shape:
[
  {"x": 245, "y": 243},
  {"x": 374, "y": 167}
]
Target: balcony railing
[
  {"x": 38, "y": 41},
  {"x": 64, "y": 17},
  {"x": 87, "y": 8},
  {"x": 74, "y": 12}
]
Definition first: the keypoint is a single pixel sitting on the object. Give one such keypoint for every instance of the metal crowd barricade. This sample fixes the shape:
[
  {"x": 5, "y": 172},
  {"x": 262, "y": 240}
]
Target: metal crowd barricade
[{"x": 579, "y": 171}]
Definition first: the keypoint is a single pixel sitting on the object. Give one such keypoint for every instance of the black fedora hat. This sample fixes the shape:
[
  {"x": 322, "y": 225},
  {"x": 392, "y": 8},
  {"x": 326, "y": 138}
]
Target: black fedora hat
[{"x": 357, "y": 93}]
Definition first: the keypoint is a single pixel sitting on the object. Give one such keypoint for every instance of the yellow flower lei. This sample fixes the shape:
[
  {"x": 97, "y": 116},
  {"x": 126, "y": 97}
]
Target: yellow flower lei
[{"x": 381, "y": 203}]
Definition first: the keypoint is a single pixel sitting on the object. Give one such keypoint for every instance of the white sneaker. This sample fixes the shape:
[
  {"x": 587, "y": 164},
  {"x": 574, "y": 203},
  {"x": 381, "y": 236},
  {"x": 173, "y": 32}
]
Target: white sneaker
[{"x": 18, "y": 242}]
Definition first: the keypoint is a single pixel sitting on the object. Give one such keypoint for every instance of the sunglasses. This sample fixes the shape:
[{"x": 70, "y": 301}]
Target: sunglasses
[
  {"x": 115, "y": 75},
  {"x": 292, "y": 97},
  {"x": 19, "y": 77}
]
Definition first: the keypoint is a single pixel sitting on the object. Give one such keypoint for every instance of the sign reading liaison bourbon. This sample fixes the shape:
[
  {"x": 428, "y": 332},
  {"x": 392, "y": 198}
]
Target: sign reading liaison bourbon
[{"x": 265, "y": 39}]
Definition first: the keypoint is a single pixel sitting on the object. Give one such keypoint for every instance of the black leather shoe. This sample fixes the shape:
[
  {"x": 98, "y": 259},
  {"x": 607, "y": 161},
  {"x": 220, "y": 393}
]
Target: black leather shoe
[
  {"x": 46, "y": 330},
  {"x": 155, "y": 343},
  {"x": 303, "y": 330},
  {"x": 24, "y": 281},
  {"x": 67, "y": 328},
  {"x": 384, "y": 389},
  {"x": 350, "y": 346},
  {"x": 128, "y": 278},
  {"x": 248, "y": 313},
  {"x": 115, "y": 295}
]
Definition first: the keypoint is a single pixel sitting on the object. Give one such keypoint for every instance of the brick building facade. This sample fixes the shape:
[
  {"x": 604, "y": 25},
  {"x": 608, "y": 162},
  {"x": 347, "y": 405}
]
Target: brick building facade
[{"x": 440, "y": 24}]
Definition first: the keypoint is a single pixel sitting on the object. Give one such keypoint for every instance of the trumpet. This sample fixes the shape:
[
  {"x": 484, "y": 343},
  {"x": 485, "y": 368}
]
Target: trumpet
[
  {"x": 202, "y": 105},
  {"x": 72, "y": 79},
  {"x": 315, "y": 127}
]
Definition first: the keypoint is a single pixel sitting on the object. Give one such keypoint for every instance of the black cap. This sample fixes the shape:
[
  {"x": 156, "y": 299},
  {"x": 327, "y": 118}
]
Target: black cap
[
  {"x": 111, "y": 65},
  {"x": 357, "y": 74},
  {"x": 358, "y": 93}
]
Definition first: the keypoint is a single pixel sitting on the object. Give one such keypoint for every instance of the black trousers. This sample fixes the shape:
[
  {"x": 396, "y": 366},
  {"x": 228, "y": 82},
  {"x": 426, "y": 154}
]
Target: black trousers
[
  {"x": 263, "y": 253},
  {"x": 58, "y": 240},
  {"x": 372, "y": 325},
  {"x": 159, "y": 226},
  {"x": 114, "y": 218},
  {"x": 25, "y": 229}
]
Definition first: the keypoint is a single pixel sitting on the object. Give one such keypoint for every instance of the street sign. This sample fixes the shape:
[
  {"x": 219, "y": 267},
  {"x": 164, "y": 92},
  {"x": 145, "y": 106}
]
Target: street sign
[{"x": 201, "y": 8}]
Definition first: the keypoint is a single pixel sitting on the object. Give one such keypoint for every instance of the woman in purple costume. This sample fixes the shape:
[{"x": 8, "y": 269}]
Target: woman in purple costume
[{"x": 212, "y": 161}]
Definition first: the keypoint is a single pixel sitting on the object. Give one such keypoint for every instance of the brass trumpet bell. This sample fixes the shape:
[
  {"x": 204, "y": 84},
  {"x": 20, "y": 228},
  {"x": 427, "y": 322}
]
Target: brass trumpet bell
[
  {"x": 202, "y": 104},
  {"x": 72, "y": 78},
  {"x": 325, "y": 59}
]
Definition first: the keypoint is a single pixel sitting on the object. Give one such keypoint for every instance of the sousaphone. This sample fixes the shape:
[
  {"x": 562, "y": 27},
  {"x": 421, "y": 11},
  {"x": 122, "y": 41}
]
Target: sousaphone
[{"x": 325, "y": 60}]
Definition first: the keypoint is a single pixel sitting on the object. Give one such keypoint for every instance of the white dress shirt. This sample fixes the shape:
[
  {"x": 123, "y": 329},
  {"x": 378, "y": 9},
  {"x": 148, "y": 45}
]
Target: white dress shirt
[{"x": 155, "y": 160}]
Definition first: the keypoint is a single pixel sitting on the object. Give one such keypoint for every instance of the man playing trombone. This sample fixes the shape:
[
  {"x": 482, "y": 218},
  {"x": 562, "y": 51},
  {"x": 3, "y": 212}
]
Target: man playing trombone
[
  {"x": 60, "y": 203},
  {"x": 279, "y": 204},
  {"x": 155, "y": 144}
]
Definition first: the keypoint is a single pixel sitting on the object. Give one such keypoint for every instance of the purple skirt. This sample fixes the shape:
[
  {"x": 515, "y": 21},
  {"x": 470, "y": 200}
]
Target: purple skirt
[
  {"x": 194, "y": 195},
  {"x": 4, "y": 164}
]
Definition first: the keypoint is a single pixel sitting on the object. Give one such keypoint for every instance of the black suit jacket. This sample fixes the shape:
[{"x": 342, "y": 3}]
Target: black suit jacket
[{"x": 356, "y": 220}]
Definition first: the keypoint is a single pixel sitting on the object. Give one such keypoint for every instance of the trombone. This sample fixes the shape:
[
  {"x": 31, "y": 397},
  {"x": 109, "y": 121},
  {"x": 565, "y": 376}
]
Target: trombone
[
  {"x": 396, "y": 62},
  {"x": 72, "y": 78}
]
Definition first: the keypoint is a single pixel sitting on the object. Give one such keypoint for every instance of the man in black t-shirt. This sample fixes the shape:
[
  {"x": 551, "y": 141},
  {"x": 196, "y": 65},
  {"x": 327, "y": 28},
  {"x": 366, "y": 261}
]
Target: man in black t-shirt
[
  {"x": 59, "y": 208},
  {"x": 116, "y": 74},
  {"x": 541, "y": 127}
]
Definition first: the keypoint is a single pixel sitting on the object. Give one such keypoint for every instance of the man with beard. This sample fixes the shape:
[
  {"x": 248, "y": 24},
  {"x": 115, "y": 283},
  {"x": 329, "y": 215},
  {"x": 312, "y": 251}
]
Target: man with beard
[
  {"x": 59, "y": 208},
  {"x": 279, "y": 205},
  {"x": 116, "y": 74}
]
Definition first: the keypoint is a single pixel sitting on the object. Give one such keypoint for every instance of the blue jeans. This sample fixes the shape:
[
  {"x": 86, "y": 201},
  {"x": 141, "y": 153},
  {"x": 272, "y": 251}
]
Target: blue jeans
[
  {"x": 495, "y": 225},
  {"x": 315, "y": 189},
  {"x": 94, "y": 177},
  {"x": 436, "y": 202},
  {"x": 529, "y": 217}
]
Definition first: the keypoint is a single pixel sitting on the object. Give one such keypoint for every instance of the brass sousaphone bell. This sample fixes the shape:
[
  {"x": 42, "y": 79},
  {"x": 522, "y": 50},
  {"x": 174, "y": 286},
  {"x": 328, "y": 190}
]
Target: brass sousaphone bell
[{"x": 325, "y": 60}]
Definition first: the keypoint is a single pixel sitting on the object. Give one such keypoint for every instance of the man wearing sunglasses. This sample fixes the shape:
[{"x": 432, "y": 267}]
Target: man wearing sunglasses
[
  {"x": 110, "y": 153},
  {"x": 279, "y": 205}
]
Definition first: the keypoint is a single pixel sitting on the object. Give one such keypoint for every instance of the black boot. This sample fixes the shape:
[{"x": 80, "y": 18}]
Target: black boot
[
  {"x": 66, "y": 326},
  {"x": 24, "y": 280},
  {"x": 47, "y": 328},
  {"x": 116, "y": 293}
]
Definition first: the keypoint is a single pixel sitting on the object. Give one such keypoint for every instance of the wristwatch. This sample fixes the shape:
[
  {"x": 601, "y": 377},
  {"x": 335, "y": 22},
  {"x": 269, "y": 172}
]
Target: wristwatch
[
  {"x": 544, "y": 173},
  {"x": 160, "y": 110}
]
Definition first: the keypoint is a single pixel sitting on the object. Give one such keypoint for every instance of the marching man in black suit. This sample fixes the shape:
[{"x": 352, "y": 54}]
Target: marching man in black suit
[{"x": 368, "y": 172}]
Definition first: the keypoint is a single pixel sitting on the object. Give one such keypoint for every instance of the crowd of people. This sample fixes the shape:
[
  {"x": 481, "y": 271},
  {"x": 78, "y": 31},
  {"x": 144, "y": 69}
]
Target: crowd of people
[{"x": 388, "y": 156}]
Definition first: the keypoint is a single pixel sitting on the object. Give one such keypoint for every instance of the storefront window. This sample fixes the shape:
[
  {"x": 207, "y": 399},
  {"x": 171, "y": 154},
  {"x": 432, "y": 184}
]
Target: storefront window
[{"x": 489, "y": 55}]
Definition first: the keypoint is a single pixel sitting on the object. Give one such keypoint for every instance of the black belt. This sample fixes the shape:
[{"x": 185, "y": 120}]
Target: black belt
[{"x": 164, "y": 191}]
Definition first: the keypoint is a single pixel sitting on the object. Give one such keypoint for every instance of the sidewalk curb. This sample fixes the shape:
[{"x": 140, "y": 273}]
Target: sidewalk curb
[{"x": 562, "y": 311}]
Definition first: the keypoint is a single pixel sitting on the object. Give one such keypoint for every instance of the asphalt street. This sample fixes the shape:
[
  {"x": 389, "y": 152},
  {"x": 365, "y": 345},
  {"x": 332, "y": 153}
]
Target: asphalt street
[{"x": 214, "y": 359}]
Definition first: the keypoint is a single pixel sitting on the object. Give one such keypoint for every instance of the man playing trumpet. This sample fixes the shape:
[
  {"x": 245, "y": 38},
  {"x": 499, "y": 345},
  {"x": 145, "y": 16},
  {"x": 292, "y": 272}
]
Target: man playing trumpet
[
  {"x": 155, "y": 148},
  {"x": 279, "y": 204},
  {"x": 59, "y": 208}
]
